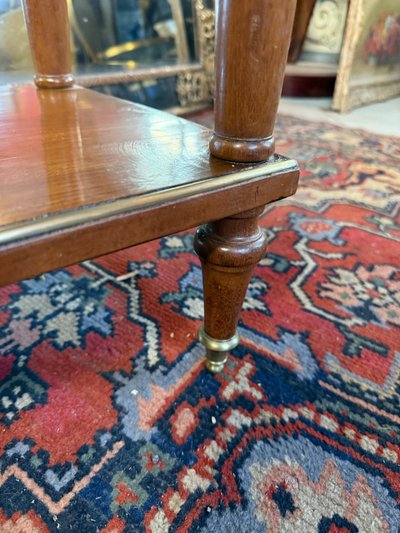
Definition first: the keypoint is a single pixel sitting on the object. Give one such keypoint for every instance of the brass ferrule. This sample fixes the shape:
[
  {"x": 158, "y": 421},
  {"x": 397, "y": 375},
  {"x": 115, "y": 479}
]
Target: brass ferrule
[{"x": 217, "y": 349}]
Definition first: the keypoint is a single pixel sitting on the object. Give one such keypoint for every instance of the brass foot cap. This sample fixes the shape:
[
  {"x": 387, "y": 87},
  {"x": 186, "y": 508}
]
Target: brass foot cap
[
  {"x": 217, "y": 350},
  {"x": 218, "y": 345},
  {"x": 216, "y": 366}
]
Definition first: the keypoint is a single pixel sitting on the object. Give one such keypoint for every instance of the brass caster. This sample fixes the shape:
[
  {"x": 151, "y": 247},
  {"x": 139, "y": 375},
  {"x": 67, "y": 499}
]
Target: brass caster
[{"x": 217, "y": 350}]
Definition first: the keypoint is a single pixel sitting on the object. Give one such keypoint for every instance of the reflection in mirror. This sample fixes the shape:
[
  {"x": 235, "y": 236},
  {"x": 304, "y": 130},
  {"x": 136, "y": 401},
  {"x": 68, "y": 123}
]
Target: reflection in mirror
[
  {"x": 148, "y": 51},
  {"x": 130, "y": 32}
]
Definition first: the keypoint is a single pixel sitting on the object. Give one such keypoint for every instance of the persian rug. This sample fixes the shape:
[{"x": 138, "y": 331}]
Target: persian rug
[{"x": 110, "y": 422}]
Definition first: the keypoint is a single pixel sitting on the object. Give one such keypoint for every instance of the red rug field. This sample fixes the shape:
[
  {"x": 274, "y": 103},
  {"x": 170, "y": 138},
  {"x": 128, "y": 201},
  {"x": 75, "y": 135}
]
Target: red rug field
[{"x": 110, "y": 422}]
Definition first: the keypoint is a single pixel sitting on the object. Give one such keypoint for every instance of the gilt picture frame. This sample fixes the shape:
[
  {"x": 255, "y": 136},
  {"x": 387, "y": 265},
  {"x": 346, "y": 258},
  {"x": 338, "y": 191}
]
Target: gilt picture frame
[{"x": 369, "y": 67}]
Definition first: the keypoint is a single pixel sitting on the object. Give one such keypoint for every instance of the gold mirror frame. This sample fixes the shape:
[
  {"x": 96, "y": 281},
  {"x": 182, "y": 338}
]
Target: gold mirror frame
[{"x": 194, "y": 81}]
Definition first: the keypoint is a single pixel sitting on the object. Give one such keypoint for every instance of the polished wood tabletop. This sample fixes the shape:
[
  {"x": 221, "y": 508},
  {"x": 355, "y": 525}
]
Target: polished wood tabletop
[
  {"x": 62, "y": 150},
  {"x": 81, "y": 171}
]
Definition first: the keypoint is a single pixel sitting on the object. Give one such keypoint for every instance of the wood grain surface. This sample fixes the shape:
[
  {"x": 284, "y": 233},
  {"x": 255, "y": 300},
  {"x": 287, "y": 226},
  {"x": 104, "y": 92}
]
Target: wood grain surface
[
  {"x": 84, "y": 174},
  {"x": 67, "y": 149},
  {"x": 49, "y": 36},
  {"x": 252, "y": 43}
]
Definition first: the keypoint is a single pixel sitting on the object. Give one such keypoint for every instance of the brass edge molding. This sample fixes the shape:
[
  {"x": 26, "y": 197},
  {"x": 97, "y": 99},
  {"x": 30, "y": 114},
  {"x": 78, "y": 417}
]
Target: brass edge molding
[{"x": 81, "y": 216}]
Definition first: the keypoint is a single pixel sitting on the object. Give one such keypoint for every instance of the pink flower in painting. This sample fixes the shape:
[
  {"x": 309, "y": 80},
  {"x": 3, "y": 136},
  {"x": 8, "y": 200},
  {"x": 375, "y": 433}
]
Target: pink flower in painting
[{"x": 382, "y": 46}]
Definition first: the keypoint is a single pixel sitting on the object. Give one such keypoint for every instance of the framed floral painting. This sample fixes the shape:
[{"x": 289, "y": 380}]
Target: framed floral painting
[{"x": 369, "y": 67}]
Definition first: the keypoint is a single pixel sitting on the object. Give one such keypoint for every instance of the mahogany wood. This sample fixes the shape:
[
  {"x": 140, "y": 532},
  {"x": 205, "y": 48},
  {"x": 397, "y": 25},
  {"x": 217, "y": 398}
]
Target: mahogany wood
[
  {"x": 30, "y": 257},
  {"x": 252, "y": 43},
  {"x": 75, "y": 148},
  {"x": 49, "y": 37},
  {"x": 229, "y": 249},
  {"x": 73, "y": 151}
]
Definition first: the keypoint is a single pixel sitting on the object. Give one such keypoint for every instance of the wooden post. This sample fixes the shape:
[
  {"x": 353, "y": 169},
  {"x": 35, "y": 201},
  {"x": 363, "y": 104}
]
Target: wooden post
[
  {"x": 229, "y": 250},
  {"x": 49, "y": 37},
  {"x": 304, "y": 10},
  {"x": 252, "y": 43}
]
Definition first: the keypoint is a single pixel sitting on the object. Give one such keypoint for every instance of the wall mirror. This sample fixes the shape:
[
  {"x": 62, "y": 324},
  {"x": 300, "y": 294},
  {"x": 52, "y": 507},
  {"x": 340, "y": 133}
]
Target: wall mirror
[{"x": 157, "y": 52}]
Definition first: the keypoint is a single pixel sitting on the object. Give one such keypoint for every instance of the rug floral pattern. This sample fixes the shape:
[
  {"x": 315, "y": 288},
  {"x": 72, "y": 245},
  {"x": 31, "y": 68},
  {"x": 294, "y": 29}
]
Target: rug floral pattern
[{"x": 110, "y": 423}]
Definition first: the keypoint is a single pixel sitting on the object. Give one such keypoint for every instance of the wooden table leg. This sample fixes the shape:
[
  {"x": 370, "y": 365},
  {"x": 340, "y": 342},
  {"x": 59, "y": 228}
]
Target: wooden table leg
[
  {"x": 252, "y": 43},
  {"x": 229, "y": 250},
  {"x": 49, "y": 37}
]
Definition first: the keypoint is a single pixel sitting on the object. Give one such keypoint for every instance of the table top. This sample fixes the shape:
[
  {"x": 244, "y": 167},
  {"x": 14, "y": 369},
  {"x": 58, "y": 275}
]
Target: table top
[{"x": 74, "y": 156}]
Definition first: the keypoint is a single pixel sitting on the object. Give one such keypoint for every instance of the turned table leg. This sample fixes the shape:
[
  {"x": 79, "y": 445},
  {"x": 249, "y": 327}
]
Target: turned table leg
[
  {"x": 252, "y": 42},
  {"x": 48, "y": 30},
  {"x": 229, "y": 249}
]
